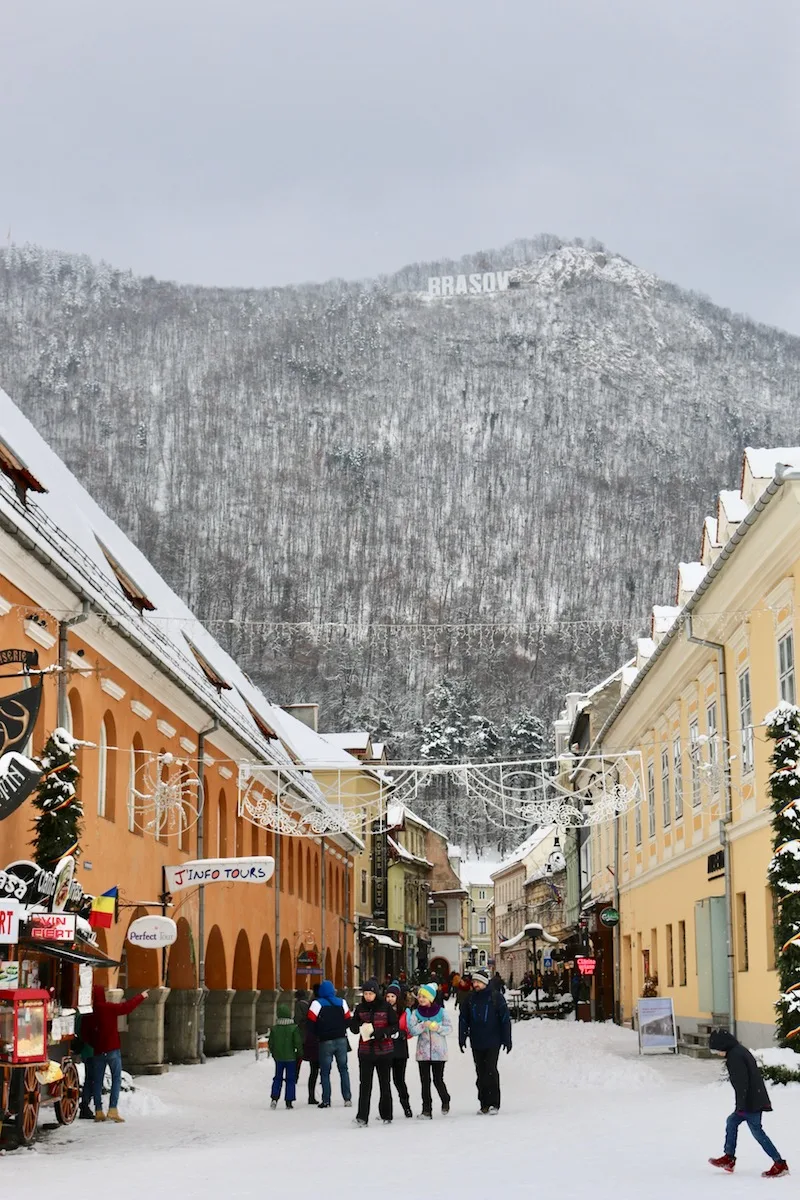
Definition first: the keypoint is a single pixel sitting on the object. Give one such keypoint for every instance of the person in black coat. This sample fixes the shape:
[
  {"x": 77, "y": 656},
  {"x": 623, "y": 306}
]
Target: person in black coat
[
  {"x": 395, "y": 998},
  {"x": 752, "y": 1100},
  {"x": 486, "y": 1022},
  {"x": 375, "y": 1022},
  {"x": 302, "y": 1004}
]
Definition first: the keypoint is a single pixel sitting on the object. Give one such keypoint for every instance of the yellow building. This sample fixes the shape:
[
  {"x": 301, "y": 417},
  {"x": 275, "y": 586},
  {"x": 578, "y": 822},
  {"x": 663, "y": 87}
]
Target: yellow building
[{"x": 692, "y": 854}]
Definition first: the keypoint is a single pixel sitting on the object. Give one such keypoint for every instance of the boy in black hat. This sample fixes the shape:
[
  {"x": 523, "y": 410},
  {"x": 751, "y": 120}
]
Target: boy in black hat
[{"x": 752, "y": 1101}]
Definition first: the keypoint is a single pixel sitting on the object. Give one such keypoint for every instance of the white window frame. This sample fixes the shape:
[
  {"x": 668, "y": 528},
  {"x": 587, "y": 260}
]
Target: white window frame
[
  {"x": 637, "y": 822},
  {"x": 677, "y": 771},
  {"x": 694, "y": 756},
  {"x": 102, "y": 769},
  {"x": 713, "y": 733},
  {"x": 651, "y": 800},
  {"x": 438, "y": 916},
  {"x": 482, "y": 927},
  {"x": 746, "y": 721},
  {"x": 787, "y": 680},
  {"x": 666, "y": 791}
]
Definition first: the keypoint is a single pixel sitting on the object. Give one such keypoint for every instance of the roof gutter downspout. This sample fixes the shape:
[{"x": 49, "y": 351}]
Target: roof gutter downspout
[
  {"x": 63, "y": 649},
  {"x": 201, "y": 900},
  {"x": 727, "y": 819}
]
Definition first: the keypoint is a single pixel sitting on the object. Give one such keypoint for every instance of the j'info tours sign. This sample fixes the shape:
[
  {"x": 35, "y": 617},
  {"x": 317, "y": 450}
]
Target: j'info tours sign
[
  {"x": 477, "y": 284},
  {"x": 219, "y": 870}
]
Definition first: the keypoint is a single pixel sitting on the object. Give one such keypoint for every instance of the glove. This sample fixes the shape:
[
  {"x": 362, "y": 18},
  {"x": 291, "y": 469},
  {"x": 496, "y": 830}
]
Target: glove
[{"x": 366, "y": 1031}]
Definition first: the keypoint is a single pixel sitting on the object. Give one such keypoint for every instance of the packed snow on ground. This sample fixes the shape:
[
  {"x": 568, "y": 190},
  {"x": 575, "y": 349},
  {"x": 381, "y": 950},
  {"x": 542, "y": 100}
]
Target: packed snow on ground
[{"x": 582, "y": 1114}]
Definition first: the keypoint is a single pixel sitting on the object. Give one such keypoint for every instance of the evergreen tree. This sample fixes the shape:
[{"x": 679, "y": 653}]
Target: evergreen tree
[
  {"x": 526, "y": 738},
  {"x": 59, "y": 825},
  {"x": 783, "y": 727}
]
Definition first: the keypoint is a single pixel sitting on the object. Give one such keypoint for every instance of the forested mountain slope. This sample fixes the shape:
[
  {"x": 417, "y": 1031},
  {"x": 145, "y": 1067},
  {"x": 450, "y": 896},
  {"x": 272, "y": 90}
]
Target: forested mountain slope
[{"x": 358, "y": 453}]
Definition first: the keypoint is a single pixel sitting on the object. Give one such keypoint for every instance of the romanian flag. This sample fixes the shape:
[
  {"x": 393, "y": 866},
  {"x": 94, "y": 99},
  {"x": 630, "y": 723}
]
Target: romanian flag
[{"x": 103, "y": 910}]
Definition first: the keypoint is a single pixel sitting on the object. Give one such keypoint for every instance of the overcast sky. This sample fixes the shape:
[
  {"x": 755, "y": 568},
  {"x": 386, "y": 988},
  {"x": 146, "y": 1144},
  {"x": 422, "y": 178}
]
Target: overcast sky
[{"x": 263, "y": 142}]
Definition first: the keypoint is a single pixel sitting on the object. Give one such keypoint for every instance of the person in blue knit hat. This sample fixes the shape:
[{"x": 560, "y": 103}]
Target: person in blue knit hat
[{"x": 430, "y": 1024}]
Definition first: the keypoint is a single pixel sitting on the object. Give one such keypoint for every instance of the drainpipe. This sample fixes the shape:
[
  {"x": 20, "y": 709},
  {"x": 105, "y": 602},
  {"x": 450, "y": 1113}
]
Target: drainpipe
[
  {"x": 63, "y": 649},
  {"x": 276, "y": 875},
  {"x": 201, "y": 903},
  {"x": 725, "y": 823},
  {"x": 322, "y": 902}
]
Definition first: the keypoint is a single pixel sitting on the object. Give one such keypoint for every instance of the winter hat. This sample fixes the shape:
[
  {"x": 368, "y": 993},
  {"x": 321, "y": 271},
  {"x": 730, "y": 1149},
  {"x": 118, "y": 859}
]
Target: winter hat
[
  {"x": 394, "y": 990},
  {"x": 426, "y": 993},
  {"x": 480, "y": 977},
  {"x": 721, "y": 1040},
  {"x": 370, "y": 986},
  {"x": 284, "y": 1012}
]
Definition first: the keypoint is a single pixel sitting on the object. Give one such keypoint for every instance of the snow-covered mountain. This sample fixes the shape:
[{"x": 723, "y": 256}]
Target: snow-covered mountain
[{"x": 536, "y": 459}]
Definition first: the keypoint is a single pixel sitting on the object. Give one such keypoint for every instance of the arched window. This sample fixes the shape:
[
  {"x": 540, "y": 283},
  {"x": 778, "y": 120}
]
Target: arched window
[
  {"x": 300, "y": 871},
  {"x": 163, "y": 833},
  {"x": 183, "y": 835},
  {"x": 134, "y": 780},
  {"x": 316, "y": 879},
  {"x": 291, "y": 867},
  {"x": 254, "y": 850},
  {"x": 107, "y": 769},
  {"x": 238, "y": 835}
]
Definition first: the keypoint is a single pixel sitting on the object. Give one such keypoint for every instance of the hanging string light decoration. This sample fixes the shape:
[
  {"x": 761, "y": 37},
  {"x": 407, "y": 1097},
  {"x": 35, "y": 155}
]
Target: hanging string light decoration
[
  {"x": 783, "y": 728},
  {"x": 166, "y": 797}
]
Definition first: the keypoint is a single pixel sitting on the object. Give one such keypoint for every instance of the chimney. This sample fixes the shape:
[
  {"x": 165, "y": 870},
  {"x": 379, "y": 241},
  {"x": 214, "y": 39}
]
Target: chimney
[{"x": 307, "y": 713}]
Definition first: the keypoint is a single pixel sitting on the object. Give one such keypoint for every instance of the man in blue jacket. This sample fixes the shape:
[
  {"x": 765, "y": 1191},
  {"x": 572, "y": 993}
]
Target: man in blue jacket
[
  {"x": 328, "y": 1016},
  {"x": 486, "y": 1021}
]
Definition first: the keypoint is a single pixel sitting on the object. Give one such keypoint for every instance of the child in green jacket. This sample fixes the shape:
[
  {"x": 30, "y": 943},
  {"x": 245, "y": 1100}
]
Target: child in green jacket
[{"x": 286, "y": 1047}]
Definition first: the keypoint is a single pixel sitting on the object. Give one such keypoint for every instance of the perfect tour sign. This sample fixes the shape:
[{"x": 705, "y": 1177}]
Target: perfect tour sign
[{"x": 477, "y": 284}]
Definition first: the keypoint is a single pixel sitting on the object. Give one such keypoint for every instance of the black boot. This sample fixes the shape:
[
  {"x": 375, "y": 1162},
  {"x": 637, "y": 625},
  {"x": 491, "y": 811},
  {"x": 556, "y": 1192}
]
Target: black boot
[
  {"x": 407, "y": 1110},
  {"x": 85, "y": 1113}
]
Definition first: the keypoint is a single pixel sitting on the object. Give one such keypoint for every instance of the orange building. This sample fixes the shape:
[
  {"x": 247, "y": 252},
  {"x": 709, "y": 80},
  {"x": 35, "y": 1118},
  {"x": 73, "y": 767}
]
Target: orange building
[{"x": 156, "y": 699}]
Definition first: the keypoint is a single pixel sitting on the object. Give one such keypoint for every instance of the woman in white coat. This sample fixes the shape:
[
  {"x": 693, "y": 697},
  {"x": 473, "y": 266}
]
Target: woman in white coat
[{"x": 430, "y": 1024}]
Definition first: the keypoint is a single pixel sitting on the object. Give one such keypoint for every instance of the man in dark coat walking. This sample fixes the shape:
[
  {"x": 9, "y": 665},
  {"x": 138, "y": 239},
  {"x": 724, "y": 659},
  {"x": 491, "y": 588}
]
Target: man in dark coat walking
[
  {"x": 486, "y": 1022},
  {"x": 752, "y": 1100}
]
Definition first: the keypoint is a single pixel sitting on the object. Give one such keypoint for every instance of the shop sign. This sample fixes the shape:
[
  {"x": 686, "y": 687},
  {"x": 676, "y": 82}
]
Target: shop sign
[
  {"x": 9, "y": 922},
  {"x": 29, "y": 884},
  {"x": 51, "y": 927},
  {"x": 18, "y": 779},
  {"x": 609, "y": 917},
  {"x": 219, "y": 870},
  {"x": 380, "y": 851},
  {"x": 586, "y": 966},
  {"x": 9, "y": 976},
  {"x": 307, "y": 961},
  {"x": 152, "y": 932},
  {"x": 716, "y": 864}
]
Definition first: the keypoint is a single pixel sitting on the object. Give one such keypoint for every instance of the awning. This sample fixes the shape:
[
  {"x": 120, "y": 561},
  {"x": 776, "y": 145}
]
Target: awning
[
  {"x": 384, "y": 940},
  {"x": 88, "y": 956}
]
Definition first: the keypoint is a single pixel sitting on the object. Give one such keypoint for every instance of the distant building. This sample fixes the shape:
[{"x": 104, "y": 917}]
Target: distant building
[{"x": 476, "y": 877}]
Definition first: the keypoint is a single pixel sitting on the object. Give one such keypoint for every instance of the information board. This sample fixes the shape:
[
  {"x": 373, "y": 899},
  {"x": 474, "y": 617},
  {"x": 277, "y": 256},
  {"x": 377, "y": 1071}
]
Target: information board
[{"x": 656, "y": 1024}]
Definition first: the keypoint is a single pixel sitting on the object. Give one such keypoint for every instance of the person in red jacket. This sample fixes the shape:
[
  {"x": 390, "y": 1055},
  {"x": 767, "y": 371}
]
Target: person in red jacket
[{"x": 105, "y": 1040}]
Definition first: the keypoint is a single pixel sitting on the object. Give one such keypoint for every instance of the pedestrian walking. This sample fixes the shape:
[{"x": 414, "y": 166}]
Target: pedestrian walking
[
  {"x": 430, "y": 1023},
  {"x": 485, "y": 1021},
  {"x": 374, "y": 1021},
  {"x": 286, "y": 1047},
  {"x": 752, "y": 1101},
  {"x": 328, "y": 1017},
  {"x": 400, "y": 1038},
  {"x": 302, "y": 1003},
  {"x": 107, "y": 1053}
]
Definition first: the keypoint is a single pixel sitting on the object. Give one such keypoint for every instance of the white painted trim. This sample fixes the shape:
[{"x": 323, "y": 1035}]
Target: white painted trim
[
  {"x": 699, "y": 851},
  {"x": 226, "y": 772},
  {"x": 112, "y": 689},
  {"x": 189, "y": 746},
  {"x": 210, "y": 762},
  {"x": 78, "y": 664},
  {"x": 42, "y": 637},
  {"x": 141, "y": 710},
  {"x": 164, "y": 727},
  {"x": 780, "y": 597},
  {"x": 5, "y": 606}
]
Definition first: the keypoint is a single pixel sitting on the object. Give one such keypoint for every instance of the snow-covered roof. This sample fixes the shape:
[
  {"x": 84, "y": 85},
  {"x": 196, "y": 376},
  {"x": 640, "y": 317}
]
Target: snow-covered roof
[
  {"x": 477, "y": 872},
  {"x": 664, "y": 617},
  {"x": 763, "y": 461},
  {"x": 406, "y": 855},
  {"x": 67, "y": 526},
  {"x": 396, "y": 815},
  {"x": 356, "y": 740},
  {"x": 522, "y": 852},
  {"x": 734, "y": 507}
]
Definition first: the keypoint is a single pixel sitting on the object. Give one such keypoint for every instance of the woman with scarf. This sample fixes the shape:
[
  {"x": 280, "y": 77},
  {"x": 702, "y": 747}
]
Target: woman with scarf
[{"x": 430, "y": 1024}]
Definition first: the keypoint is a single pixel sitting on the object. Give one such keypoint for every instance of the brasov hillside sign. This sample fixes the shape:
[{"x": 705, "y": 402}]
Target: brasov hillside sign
[
  {"x": 219, "y": 870},
  {"x": 476, "y": 284}
]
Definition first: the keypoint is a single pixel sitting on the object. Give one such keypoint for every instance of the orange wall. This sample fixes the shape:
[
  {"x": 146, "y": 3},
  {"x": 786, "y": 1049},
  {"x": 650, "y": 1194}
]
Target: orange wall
[{"x": 239, "y": 920}]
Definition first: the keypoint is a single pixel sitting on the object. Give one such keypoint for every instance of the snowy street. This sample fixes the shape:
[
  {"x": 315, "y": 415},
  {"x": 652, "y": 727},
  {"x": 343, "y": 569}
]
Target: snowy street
[{"x": 582, "y": 1115}]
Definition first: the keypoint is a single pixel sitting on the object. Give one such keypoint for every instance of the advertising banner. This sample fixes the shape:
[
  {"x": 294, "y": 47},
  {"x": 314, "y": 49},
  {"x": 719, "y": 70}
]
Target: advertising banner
[
  {"x": 152, "y": 932},
  {"x": 51, "y": 927},
  {"x": 219, "y": 870},
  {"x": 9, "y": 922},
  {"x": 656, "y": 1024}
]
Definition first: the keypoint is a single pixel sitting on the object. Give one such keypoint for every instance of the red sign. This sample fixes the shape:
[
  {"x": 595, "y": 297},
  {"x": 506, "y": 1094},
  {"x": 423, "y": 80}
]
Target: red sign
[
  {"x": 52, "y": 927},
  {"x": 586, "y": 965}
]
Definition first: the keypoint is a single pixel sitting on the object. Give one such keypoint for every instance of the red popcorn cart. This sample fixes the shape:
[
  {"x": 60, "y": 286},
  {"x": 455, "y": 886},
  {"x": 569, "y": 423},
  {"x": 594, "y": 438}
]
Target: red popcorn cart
[{"x": 23, "y": 1026}]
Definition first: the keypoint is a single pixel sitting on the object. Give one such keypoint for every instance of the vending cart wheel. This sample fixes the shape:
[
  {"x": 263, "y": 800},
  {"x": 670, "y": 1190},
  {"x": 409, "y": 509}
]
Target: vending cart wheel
[
  {"x": 28, "y": 1096},
  {"x": 66, "y": 1106}
]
